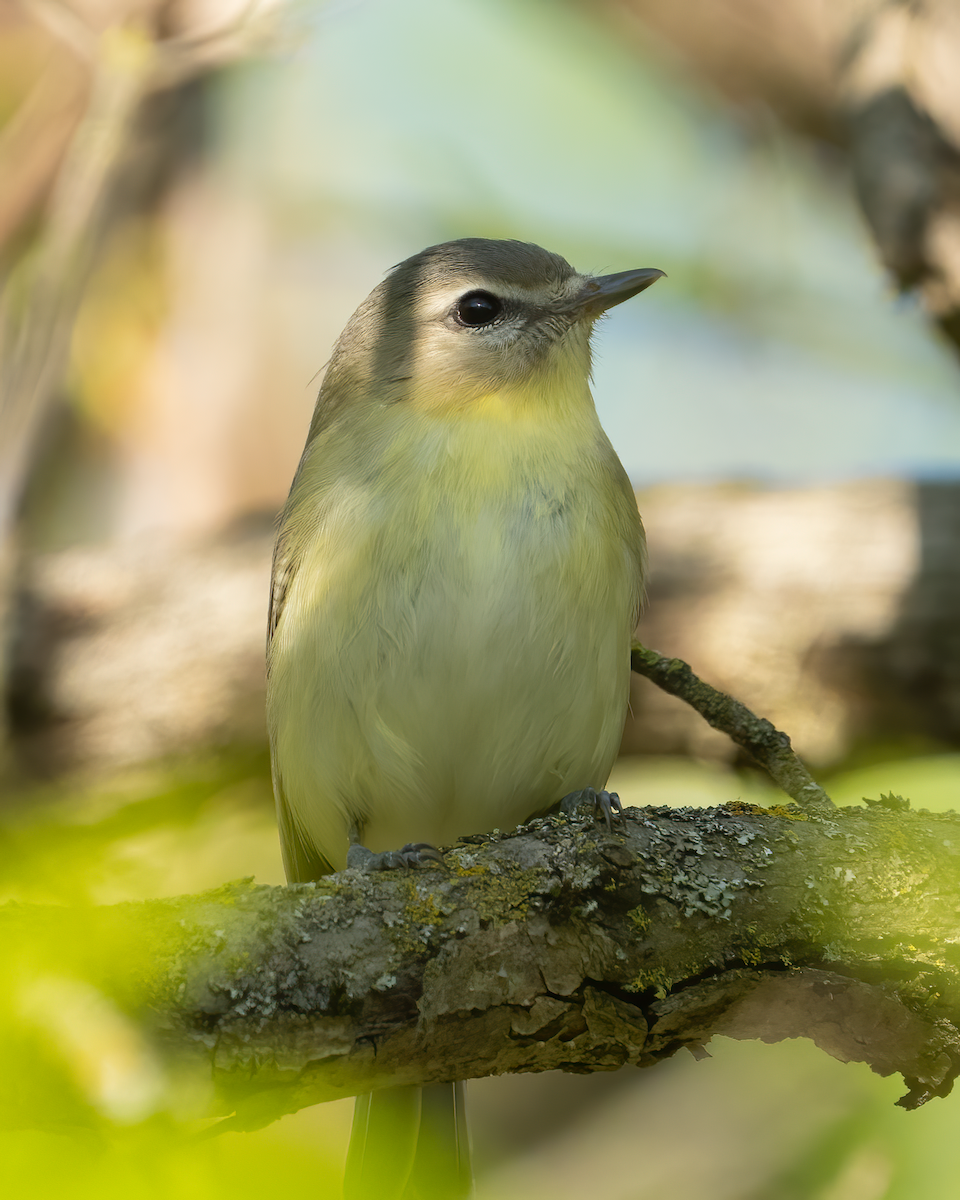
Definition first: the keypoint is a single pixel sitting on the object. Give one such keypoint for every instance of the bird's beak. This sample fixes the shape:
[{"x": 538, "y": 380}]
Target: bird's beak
[{"x": 604, "y": 291}]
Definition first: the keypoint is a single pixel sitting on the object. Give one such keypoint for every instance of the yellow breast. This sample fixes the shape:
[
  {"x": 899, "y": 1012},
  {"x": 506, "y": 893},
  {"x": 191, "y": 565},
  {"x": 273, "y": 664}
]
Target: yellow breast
[{"x": 454, "y": 652}]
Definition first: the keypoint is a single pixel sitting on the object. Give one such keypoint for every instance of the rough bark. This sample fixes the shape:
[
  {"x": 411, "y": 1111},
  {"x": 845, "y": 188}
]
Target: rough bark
[{"x": 558, "y": 946}]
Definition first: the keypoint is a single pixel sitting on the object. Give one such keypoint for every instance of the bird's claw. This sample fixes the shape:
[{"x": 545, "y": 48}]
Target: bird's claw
[
  {"x": 603, "y": 803},
  {"x": 414, "y": 854}
]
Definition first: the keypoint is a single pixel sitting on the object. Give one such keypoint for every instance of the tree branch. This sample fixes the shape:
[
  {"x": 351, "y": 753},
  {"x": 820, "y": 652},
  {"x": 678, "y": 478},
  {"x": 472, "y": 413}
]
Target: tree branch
[
  {"x": 557, "y": 946},
  {"x": 766, "y": 745}
]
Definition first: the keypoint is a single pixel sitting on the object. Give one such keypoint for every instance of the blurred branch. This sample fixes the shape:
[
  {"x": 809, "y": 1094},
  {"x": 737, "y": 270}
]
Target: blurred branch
[
  {"x": 53, "y": 142},
  {"x": 879, "y": 79},
  {"x": 178, "y": 56},
  {"x": 900, "y": 95},
  {"x": 67, "y": 26},
  {"x": 36, "y": 318},
  {"x": 34, "y": 141},
  {"x": 37, "y": 311},
  {"x": 557, "y": 946},
  {"x": 136, "y": 652},
  {"x": 765, "y": 744}
]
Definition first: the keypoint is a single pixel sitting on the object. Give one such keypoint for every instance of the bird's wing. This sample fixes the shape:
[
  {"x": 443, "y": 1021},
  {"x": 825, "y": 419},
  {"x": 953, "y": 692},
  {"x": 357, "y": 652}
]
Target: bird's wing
[
  {"x": 285, "y": 563},
  {"x": 301, "y": 861}
]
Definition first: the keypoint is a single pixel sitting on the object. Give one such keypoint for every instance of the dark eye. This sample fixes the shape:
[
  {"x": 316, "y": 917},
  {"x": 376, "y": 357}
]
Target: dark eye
[{"x": 478, "y": 308}]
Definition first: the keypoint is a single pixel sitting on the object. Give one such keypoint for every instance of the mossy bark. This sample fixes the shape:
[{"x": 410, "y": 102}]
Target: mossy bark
[{"x": 558, "y": 946}]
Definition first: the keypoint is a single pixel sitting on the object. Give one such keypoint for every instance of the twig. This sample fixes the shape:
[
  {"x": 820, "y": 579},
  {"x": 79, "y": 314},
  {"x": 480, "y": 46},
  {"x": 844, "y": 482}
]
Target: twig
[{"x": 764, "y": 743}]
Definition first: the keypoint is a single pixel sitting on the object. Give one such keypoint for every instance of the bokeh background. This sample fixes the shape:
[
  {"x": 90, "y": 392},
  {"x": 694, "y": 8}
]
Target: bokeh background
[{"x": 194, "y": 196}]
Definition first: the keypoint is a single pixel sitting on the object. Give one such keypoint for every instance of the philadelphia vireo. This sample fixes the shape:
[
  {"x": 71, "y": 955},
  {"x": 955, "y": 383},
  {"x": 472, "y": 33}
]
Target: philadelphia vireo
[{"x": 457, "y": 575}]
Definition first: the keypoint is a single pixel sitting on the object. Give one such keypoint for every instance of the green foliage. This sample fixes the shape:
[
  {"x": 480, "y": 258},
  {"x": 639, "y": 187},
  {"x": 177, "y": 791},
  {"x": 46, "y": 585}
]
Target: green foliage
[
  {"x": 159, "y": 1161},
  {"x": 88, "y": 1109}
]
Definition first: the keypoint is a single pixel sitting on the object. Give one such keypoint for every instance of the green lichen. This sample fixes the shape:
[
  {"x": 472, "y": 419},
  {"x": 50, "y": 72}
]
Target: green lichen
[
  {"x": 420, "y": 915},
  {"x": 496, "y": 896},
  {"x": 742, "y": 809},
  {"x": 462, "y": 872},
  {"x": 639, "y": 918},
  {"x": 422, "y": 908},
  {"x": 659, "y": 981},
  {"x": 761, "y": 954},
  {"x": 505, "y": 895}
]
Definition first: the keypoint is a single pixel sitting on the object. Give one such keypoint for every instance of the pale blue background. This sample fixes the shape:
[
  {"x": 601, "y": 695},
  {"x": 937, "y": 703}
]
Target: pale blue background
[{"x": 775, "y": 349}]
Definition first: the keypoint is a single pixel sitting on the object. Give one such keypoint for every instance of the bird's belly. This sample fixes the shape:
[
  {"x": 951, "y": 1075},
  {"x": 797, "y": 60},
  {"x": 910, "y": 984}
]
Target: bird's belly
[
  {"x": 475, "y": 682},
  {"x": 505, "y": 706}
]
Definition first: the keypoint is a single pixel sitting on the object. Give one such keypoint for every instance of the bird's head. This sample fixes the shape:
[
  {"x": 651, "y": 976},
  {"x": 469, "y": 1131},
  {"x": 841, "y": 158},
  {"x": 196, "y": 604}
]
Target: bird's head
[{"x": 476, "y": 323}]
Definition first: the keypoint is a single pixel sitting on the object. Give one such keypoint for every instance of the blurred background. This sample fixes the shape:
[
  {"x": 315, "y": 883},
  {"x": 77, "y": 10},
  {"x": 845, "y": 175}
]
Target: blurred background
[{"x": 194, "y": 197}]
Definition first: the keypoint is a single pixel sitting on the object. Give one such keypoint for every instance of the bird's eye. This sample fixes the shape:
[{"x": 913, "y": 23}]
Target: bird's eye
[{"x": 478, "y": 308}]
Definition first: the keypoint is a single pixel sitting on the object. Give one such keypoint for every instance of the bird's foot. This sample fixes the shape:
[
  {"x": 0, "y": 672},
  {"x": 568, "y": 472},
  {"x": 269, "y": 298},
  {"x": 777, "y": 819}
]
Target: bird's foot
[
  {"x": 602, "y": 804},
  {"x": 414, "y": 854}
]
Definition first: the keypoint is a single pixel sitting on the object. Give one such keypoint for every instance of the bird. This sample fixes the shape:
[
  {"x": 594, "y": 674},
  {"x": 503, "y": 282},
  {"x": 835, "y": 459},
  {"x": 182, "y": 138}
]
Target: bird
[{"x": 457, "y": 575}]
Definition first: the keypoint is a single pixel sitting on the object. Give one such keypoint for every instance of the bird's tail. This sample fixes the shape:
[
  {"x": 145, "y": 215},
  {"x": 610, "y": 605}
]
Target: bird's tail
[{"x": 409, "y": 1143}]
